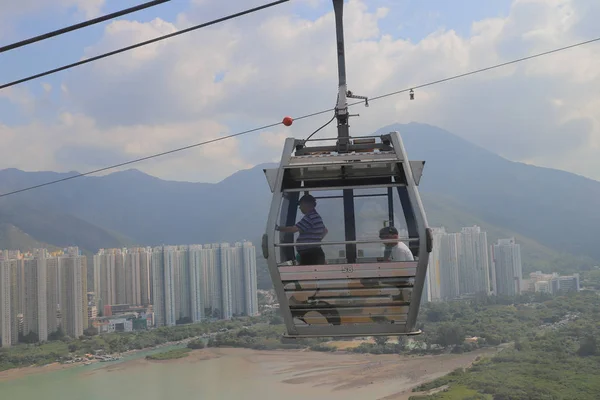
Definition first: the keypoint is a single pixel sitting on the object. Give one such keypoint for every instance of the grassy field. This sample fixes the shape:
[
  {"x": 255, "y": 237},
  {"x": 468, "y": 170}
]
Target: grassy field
[
  {"x": 457, "y": 392},
  {"x": 169, "y": 355}
]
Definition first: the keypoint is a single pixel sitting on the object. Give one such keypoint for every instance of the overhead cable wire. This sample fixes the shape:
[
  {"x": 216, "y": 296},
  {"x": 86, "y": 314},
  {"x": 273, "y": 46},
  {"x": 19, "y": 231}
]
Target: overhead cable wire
[
  {"x": 147, "y": 42},
  {"x": 140, "y": 159},
  {"x": 485, "y": 69},
  {"x": 296, "y": 119},
  {"x": 322, "y": 126},
  {"x": 326, "y": 123},
  {"x": 81, "y": 25}
]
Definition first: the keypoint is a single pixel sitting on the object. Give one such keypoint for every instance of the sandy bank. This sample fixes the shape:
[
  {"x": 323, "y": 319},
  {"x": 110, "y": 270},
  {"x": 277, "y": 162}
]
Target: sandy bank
[
  {"x": 389, "y": 377},
  {"x": 341, "y": 371},
  {"x": 384, "y": 377},
  {"x": 17, "y": 373}
]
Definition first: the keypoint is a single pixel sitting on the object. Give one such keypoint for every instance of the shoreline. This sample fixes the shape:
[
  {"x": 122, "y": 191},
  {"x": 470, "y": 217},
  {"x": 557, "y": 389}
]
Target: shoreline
[
  {"x": 392, "y": 376},
  {"x": 22, "y": 372}
]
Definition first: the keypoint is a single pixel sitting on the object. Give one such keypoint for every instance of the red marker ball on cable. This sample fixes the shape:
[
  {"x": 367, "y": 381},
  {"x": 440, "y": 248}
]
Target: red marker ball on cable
[{"x": 287, "y": 121}]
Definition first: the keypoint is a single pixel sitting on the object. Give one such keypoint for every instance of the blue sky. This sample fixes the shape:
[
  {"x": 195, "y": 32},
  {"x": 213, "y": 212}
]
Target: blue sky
[
  {"x": 415, "y": 19},
  {"x": 408, "y": 19},
  {"x": 108, "y": 111}
]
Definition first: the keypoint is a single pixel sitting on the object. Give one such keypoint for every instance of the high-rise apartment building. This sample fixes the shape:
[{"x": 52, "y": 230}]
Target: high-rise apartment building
[
  {"x": 158, "y": 286},
  {"x": 133, "y": 291},
  {"x": 459, "y": 265},
  {"x": 183, "y": 283},
  {"x": 164, "y": 263},
  {"x": 47, "y": 292},
  {"x": 449, "y": 265},
  {"x": 121, "y": 278},
  {"x": 250, "y": 306},
  {"x": 226, "y": 265},
  {"x": 105, "y": 277},
  {"x": 474, "y": 271},
  {"x": 506, "y": 261},
  {"x": 196, "y": 275},
  {"x": 145, "y": 280},
  {"x": 5, "y": 305},
  {"x": 53, "y": 286},
  {"x": 15, "y": 267},
  {"x": 73, "y": 293},
  {"x": 6, "y": 255},
  {"x": 433, "y": 284},
  {"x": 170, "y": 264},
  {"x": 36, "y": 308},
  {"x": 211, "y": 281}
]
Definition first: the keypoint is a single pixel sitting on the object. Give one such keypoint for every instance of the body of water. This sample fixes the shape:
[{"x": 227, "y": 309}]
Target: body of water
[{"x": 234, "y": 375}]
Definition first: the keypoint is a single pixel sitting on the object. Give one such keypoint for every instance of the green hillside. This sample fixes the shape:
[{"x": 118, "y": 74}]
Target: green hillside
[
  {"x": 55, "y": 229},
  {"x": 552, "y": 214},
  {"x": 444, "y": 211},
  {"x": 12, "y": 237}
]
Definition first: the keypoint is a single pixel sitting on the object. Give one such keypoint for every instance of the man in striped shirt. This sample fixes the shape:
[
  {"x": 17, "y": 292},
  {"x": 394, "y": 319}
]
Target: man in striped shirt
[{"x": 312, "y": 230}]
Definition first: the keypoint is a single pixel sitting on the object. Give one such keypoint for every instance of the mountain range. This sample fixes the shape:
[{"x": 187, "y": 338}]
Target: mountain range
[{"x": 552, "y": 213}]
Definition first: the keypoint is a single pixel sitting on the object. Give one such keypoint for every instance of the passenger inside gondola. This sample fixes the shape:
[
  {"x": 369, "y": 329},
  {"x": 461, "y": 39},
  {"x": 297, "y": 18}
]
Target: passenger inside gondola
[
  {"x": 311, "y": 229},
  {"x": 397, "y": 251}
]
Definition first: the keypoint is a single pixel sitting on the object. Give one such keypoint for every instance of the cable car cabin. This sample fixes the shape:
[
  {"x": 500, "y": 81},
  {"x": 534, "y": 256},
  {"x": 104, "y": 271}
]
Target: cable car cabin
[{"x": 358, "y": 290}]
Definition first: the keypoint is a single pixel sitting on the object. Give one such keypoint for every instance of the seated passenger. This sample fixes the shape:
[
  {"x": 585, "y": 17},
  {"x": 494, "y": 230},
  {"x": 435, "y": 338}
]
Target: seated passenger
[
  {"x": 398, "y": 251},
  {"x": 312, "y": 230}
]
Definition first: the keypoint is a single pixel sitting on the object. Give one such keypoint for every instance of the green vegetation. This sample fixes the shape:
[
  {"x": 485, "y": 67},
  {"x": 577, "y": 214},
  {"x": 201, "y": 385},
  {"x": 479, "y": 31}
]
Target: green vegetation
[
  {"x": 455, "y": 392},
  {"x": 259, "y": 337},
  {"x": 196, "y": 344},
  {"x": 24, "y": 355},
  {"x": 54, "y": 229},
  {"x": 263, "y": 278},
  {"x": 550, "y": 351},
  {"x": 169, "y": 355},
  {"x": 591, "y": 279},
  {"x": 488, "y": 321},
  {"x": 558, "y": 360},
  {"x": 537, "y": 254},
  {"x": 12, "y": 237}
]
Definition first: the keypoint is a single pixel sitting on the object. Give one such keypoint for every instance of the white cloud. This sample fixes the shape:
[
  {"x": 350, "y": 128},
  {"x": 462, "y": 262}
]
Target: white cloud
[
  {"x": 75, "y": 142},
  {"x": 90, "y": 8},
  {"x": 19, "y": 96},
  {"x": 166, "y": 95},
  {"x": 272, "y": 139}
]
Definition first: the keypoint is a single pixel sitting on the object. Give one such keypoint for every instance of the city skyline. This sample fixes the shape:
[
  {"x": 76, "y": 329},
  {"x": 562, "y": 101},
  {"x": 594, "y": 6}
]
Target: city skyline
[
  {"x": 43, "y": 293},
  {"x": 463, "y": 264},
  {"x": 184, "y": 282}
]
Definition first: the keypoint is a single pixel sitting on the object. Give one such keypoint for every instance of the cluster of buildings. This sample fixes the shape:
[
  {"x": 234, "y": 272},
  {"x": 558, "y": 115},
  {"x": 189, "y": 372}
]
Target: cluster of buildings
[
  {"x": 45, "y": 293},
  {"x": 551, "y": 283},
  {"x": 462, "y": 264},
  {"x": 181, "y": 283},
  {"x": 42, "y": 292}
]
